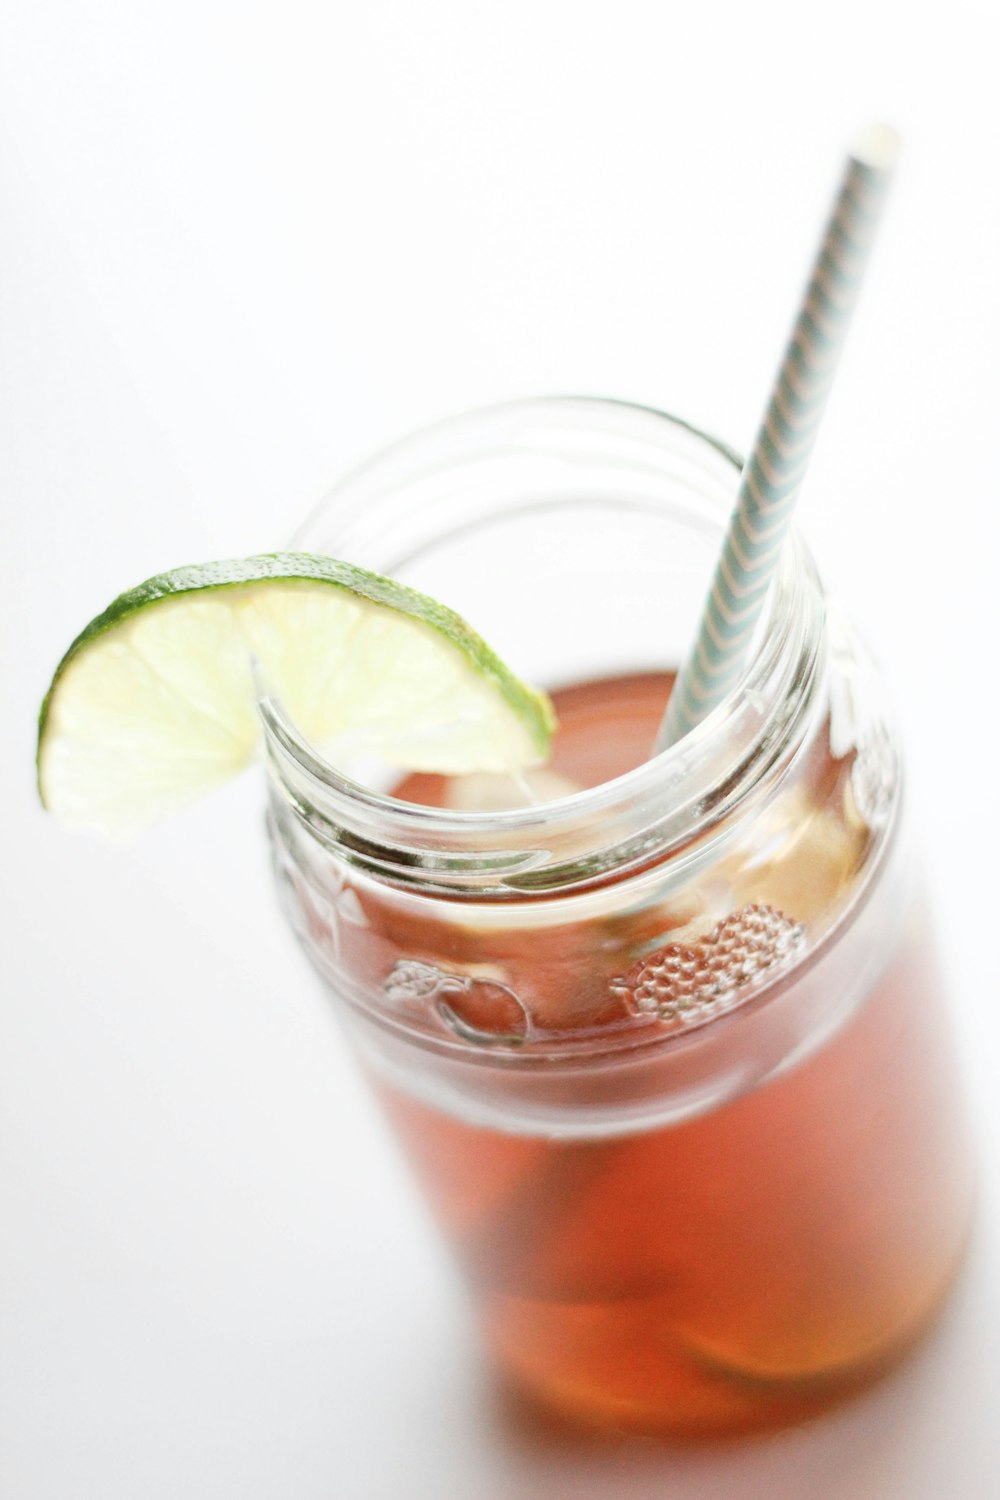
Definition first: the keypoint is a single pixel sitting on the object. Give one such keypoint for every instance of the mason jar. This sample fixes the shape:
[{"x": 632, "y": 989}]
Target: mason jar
[{"x": 663, "y": 1037}]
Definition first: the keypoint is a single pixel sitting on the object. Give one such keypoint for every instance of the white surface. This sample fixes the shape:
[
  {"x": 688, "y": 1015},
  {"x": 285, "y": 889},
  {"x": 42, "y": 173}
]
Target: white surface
[{"x": 244, "y": 244}]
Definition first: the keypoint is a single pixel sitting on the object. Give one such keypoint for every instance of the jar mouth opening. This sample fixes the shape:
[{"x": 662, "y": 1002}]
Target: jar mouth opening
[
  {"x": 679, "y": 792},
  {"x": 669, "y": 764}
]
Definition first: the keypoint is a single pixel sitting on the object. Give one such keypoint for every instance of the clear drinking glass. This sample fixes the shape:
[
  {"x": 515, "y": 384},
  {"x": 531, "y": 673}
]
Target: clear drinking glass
[{"x": 663, "y": 1039}]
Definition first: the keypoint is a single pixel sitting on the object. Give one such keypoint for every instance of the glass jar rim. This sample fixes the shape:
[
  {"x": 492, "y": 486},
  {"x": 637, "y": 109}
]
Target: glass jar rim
[{"x": 662, "y": 808}]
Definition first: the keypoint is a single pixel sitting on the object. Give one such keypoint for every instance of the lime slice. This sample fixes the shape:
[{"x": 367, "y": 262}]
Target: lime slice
[{"x": 154, "y": 703}]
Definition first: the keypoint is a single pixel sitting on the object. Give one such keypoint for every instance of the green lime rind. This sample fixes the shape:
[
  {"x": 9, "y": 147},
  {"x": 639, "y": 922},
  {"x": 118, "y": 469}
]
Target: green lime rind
[{"x": 532, "y": 707}]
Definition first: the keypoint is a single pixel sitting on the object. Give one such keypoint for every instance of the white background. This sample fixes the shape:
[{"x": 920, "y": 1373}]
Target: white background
[{"x": 243, "y": 244}]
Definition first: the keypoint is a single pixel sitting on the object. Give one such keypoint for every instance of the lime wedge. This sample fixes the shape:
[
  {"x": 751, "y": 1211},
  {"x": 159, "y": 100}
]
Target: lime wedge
[{"x": 154, "y": 703}]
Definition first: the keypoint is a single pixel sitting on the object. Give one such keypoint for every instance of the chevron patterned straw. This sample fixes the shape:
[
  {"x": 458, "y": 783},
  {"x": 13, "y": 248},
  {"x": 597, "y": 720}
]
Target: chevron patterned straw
[{"x": 770, "y": 481}]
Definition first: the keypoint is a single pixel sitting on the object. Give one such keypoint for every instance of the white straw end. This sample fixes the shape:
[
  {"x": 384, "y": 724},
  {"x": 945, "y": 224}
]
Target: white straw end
[{"x": 878, "y": 146}]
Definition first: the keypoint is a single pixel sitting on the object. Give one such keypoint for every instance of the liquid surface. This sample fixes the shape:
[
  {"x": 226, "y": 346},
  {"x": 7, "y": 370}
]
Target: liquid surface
[
  {"x": 605, "y": 729},
  {"x": 681, "y": 955}
]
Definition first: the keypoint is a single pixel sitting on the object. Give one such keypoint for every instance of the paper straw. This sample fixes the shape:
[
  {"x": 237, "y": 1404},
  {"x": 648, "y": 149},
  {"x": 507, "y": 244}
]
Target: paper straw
[{"x": 770, "y": 481}]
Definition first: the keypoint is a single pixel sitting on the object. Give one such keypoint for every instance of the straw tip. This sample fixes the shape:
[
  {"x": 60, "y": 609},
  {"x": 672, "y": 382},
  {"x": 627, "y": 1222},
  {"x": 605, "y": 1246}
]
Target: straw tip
[{"x": 878, "y": 146}]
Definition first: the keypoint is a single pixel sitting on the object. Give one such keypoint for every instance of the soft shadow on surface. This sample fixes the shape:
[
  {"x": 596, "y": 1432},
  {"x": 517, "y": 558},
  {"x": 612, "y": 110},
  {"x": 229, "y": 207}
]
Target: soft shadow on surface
[{"x": 876, "y": 1446}]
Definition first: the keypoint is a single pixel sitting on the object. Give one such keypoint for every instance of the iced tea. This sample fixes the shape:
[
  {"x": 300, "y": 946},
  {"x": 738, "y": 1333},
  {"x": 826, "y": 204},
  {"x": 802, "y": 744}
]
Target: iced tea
[
  {"x": 762, "y": 1252},
  {"x": 663, "y": 1039}
]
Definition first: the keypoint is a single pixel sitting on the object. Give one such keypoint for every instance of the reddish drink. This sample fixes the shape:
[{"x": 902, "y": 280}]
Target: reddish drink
[
  {"x": 740, "y": 1267},
  {"x": 669, "y": 1055}
]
